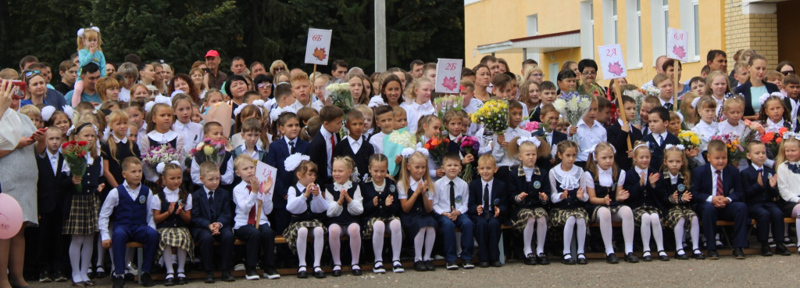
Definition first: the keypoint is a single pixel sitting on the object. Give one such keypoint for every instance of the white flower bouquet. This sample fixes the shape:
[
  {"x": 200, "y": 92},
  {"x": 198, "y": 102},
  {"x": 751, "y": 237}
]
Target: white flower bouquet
[{"x": 573, "y": 106}]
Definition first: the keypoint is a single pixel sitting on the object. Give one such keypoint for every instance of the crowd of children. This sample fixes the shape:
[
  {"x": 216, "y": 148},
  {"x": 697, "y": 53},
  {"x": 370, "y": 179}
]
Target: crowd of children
[{"x": 334, "y": 178}]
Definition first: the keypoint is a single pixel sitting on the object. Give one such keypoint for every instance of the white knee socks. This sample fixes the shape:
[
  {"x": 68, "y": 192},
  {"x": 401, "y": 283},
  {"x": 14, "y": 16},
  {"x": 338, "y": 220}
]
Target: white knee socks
[
  {"x": 679, "y": 235},
  {"x": 695, "y": 233},
  {"x": 604, "y": 215},
  {"x": 168, "y": 259},
  {"x": 302, "y": 238},
  {"x": 430, "y": 238}
]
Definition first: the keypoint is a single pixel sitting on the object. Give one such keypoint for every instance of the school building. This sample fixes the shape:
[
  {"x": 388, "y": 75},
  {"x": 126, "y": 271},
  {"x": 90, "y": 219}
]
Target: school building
[{"x": 554, "y": 31}]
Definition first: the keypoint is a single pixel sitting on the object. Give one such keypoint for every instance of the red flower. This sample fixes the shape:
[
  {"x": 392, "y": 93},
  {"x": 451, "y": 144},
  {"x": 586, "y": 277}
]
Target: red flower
[
  {"x": 72, "y": 142},
  {"x": 82, "y": 143},
  {"x": 81, "y": 153},
  {"x": 778, "y": 140},
  {"x": 783, "y": 130},
  {"x": 428, "y": 146},
  {"x": 64, "y": 146}
]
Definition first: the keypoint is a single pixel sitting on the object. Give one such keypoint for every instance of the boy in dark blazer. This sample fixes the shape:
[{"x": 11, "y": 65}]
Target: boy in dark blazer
[
  {"x": 212, "y": 220},
  {"x": 363, "y": 150},
  {"x": 487, "y": 209},
  {"x": 320, "y": 150},
  {"x": 760, "y": 188},
  {"x": 50, "y": 252},
  {"x": 618, "y": 134},
  {"x": 713, "y": 202},
  {"x": 659, "y": 138},
  {"x": 279, "y": 150},
  {"x": 550, "y": 134}
]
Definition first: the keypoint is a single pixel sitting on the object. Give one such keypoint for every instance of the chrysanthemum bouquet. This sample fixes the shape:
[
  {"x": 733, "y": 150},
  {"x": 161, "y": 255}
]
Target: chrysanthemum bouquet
[
  {"x": 340, "y": 96},
  {"x": 447, "y": 103},
  {"x": 573, "y": 106},
  {"x": 493, "y": 115},
  {"x": 213, "y": 151},
  {"x": 689, "y": 139}
]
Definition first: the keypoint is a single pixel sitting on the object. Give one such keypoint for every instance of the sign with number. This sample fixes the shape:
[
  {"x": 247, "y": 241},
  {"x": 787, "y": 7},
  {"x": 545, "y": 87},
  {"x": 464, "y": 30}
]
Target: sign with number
[
  {"x": 318, "y": 47},
  {"x": 677, "y": 44},
  {"x": 448, "y": 75},
  {"x": 611, "y": 62},
  {"x": 264, "y": 171}
]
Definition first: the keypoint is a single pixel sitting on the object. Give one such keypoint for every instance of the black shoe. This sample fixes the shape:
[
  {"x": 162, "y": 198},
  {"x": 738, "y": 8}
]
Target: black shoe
[
  {"x": 780, "y": 249},
  {"x": 100, "y": 273},
  {"x": 451, "y": 265},
  {"x": 429, "y": 265},
  {"x": 181, "y": 279},
  {"x": 318, "y": 273},
  {"x": 542, "y": 259},
  {"x": 119, "y": 282},
  {"x": 566, "y": 261},
  {"x": 530, "y": 259},
  {"x": 631, "y": 258},
  {"x": 356, "y": 270},
  {"x": 90, "y": 273},
  {"x": 251, "y": 274},
  {"x": 271, "y": 273},
  {"x": 483, "y": 264},
  {"x": 663, "y": 256},
  {"x": 44, "y": 277},
  {"x": 581, "y": 260},
  {"x": 766, "y": 250},
  {"x": 647, "y": 257},
  {"x": 147, "y": 281},
  {"x": 681, "y": 257},
  {"x": 227, "y": 276},
  {"x": 713, "y": 255},
  {"x": 738, "y": 253},
  {"x": 210, "y": 277},
  {"x": 59, "y": 277},
  {"x": 698, "y": 255},
  {"x": 170, "y": 280},
  {"x": 337, "y": 272},
  {"x": 302, "y": 273},
  {"x": 497, "y": 264},
  {"x": 612, "y": 258},
  {"x": 419, "y": 266}
]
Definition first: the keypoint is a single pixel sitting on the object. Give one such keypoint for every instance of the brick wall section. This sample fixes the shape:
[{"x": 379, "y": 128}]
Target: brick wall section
[{"x": 754, "y": 31}]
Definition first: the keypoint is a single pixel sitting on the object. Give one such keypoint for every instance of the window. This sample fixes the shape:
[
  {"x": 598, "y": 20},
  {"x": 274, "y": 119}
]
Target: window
[
  {"x": 610, "y": 35},
  {"x": 554, "y": 69},
  {"x": 533, "y": 30},
  {"x": 660, "y": 22},
  {"x": 633, "y": 28},
  {"x": 587, "y": 30},
  {"x": 690, "y": 16}
]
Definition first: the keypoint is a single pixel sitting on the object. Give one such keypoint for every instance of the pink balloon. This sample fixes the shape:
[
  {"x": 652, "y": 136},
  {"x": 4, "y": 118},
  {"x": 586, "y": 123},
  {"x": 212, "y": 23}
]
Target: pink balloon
[{"x": 10, "y": 216}]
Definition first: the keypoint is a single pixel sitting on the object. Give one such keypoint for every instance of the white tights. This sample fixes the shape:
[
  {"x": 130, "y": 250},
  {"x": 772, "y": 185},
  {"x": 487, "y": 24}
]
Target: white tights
[
  {"x": 427, "y": 236},
  {"x": 319, "y": 243},
  {"x": 694, "y": 232},
  {"x": 377, "y": 239},
  {"x": 624, "y": 215},
  {"x": 651, "y": 220},
  {"x": 334, "y": 240},
  {"x": 796, "y": 215},
  {"x": 168, "y": 259},
  {"x": 80, "y": 248},
  {"x": 572, "y": 221},
  {"x": 541, "y": 233}
]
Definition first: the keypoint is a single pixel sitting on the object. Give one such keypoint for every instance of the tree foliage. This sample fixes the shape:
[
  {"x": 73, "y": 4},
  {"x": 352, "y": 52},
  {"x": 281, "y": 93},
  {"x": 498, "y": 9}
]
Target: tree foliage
[{"x": 180, "y": 31}]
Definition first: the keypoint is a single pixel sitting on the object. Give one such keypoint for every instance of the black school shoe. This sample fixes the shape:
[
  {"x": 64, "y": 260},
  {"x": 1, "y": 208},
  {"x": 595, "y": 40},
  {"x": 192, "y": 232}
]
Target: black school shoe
[
  {"x": 227, "y": 276},
  {"x": 542, "y": 259},
  {"x": 681, "y": 257},
  {"x": 663, "y": 256},
  {"x": 713, "y": 255},
  {"x": 429, "y": 265},
  {"x": 119, "y": 282},
  {"x": 780, "y": 249},
  {"x": 766, "y": 251},
  {"x": 698, "y": 255},
  {"x": 738, "y": 253},
  {"x": 318, "y": 273},
  {"x": 568, "y": 261},
  {"x": 419, "y": 266},
  {"x": 530, "y": 259},
  {"x": 169, "y": 280},
  {"x": 210, "y": 277},
  {"x": 611, "y": 258},
  {"x": 181, "y": 279},
  {"x": 100, "y": 273},
  {"x": 356, "y": 270},
  {"x": 147, "y": 281},
  {"x": 302, "y": 272},
  {"x": 582, "y": 259},
  {"x": 336, "y": 272}
]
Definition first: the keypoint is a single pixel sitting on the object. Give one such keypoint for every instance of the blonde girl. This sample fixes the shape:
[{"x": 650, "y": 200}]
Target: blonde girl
[
  {"x": 690, "y": 118},
  {"x": 89, "y": 51},
  {"x": 430, "y": 126},
  {"x": 568, "y": 194},
  {"x": 674, "y": 194},
  {"x": 213, "y": 96},
  {"x": 717, "y": 86},
  {"x": 172, "y": 215},
  {"x": 344, "y": 210},
  {"x": 380, "y": 211},
  {"x": 418, "y": 101},
  {"x": 184, "y": 109},
  {"x": 529, "y": 95},
  {"x": 640, "y": 185},
  {"x": 604, "y": 183},
  {"x": 117, "y": 148},
  {"x": 415, "y": 191},
  {"x": 531, "y": 201},
  {"x": 159, "y": 132},
  {"x": 733, "y": 109},
  {"x": 705, "y": 108},
  {"x": 788, "y": 163},
  {"x": 307, "y": 205}
]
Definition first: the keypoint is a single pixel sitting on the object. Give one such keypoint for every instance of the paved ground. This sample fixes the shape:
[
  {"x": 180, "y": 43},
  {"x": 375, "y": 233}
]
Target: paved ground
[{"x": 757, "y": 271}]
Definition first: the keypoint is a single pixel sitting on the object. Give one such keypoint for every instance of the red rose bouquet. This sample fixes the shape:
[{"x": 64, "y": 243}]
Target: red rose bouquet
[{"x": 75, "y": 155}]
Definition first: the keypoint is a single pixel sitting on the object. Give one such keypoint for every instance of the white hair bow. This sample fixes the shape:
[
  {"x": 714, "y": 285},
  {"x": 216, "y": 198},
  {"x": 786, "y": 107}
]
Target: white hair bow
[
  {"x": 294, "y": 160},
  {"x": 679, "y": 146},
  {"x": 695, "y": 101},
  {"x": 47, "y": 112},
  {"x": 593, "y": 150},
  {"x": 82, "y": 30},
  {"x": 410, "y": 151},
  {"x": 160, "y": 167},
  {"x": 766, "y": 97},
  {"x": 68, "y": 110},
  {"x": 149, "y": 106},
  {"x": 176, "y": 92},
  {"x": 72, "y": 129},
  {"x": 258, "y": 103},
  {"x": 788, "y": 135},
  {"x": 239, "y": 109},
  {"x": 531, "y": 139},
  {"x": 163, "y": 100}
]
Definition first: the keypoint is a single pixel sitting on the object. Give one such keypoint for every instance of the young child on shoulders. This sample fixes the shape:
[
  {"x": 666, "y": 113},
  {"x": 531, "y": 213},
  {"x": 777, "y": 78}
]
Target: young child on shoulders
[
  {"x": 450, "y": 205},
  {"x": 760, "y": 187},
  {"x": 529, "y": 204},
  {"x": 380, "y": 211},
  {"x": 640, "y": 186},
  {"x": 569, "y": 196},
  {"x": 673, "y": 193}
]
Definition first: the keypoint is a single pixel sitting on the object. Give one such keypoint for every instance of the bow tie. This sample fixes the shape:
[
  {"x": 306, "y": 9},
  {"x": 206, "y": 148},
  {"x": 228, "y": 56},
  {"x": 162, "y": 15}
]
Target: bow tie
[{"x": 795, "y": 168}]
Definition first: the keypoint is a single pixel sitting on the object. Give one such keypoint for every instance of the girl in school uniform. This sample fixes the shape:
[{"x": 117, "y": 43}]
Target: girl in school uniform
[
  {"x": 530, "y": 202},
  {"x": 172, "y": 215},
  {"x": 82, "y": 214},
  {"x": 415, "y": 191},
  {"x": 306, "y": 203},
  {"x": 380, "y": 210},
  {"x": 640, "y": 184},
  {"x": 569, "y": 197},
  {"x": 344, "y": 210},
  {"x": 606, "y": 198},
  {"x": 788, "y": 163},
  {"x": 775, "y": 118},
  {"x": 159, "y": 132},
  {"x": 674, "y": 195},
  {"x": 706, "y": 108},
  {"x": 430, "y": 126}
]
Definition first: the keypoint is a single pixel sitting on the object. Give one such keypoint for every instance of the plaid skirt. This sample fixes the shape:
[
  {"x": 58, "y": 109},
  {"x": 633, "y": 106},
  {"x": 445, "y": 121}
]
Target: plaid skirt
[
  {"x": 558, "y": 217},
  {"x": 641, "y": 210},
  {"x": 176, "y": 237},
  {"x": 291, "y": 232},
  {"x": 524, "y": 214},
  {"x": 593, "y": 214},
  {"x": 678, "y": 212},
  {"x": 83, "y": 213},
  {"x": 367, "y": 230}
]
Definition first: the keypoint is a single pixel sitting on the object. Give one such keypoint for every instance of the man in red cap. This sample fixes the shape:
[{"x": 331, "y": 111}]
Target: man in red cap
[{"x": 215, "y": 77}]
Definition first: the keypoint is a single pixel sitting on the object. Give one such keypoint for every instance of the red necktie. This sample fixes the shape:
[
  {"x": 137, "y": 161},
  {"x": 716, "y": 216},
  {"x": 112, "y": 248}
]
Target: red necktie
[
  {"x": 719, "y": 183},
  {"x": 251, "y": 219},
  {"x": 333, "y": 146}
]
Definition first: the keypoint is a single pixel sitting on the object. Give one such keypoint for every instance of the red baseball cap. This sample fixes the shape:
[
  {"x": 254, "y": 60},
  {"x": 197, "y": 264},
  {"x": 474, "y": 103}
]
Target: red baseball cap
[{"x": 212, "y": 53}]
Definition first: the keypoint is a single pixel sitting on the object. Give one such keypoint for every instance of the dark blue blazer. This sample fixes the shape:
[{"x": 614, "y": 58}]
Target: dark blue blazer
[
  {"x": 535, "y": 113},
  {"x": 657, "y": 151},
  {"x": 49, "y": 191},
  {"x": 498, "y": 196},
  {"x": 318, "y": 152},
  {"x": 641, "y": 195},
  {"x": 369, "y": 193},
  {"x": 703, "y": 186},
  {"x": 619, "y": 139},
  {"x": 665, "y": 189},
  {"x": 787, "y": 102},
  {"x": 201, "y": 210},
  {"x": 278, "y": 152},
  {"x": 745, "y": 90},
  {"x": 518, "y": 183},
  {"x": 754, "y": 193}
]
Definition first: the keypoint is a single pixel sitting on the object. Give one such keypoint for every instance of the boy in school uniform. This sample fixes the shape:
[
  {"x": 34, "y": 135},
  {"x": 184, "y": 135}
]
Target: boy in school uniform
[
  {"x": 213, "y": 131},
  {"x": 133, "y": 221},
  {"x": 50, "y": 250},
  {"x": 505, "y": 162},
  {"x": 212, "y": 218},
  {"x": 717, "y": 194},
  {"x": 248, "y": 225},
  {"x": 384, "y": 124},
  {"x": 648, "y": 104},
  {"x": 619, "y": 132},
  {"x": 759, "y": 183},
  {"x": 251, "y": 133},
  {"x": 662, "y": 82},
  {"x": 320, "y": 150},
  {"x": 659, "y": 138},
  {"x": 450, "y": 204},
  {"x": 354, "y": 145},
  {"x": 285, "y": 101},
  {"x": 487, "y": 208},
  {"x": 791, "y": 85},
  {"x": 550, "y": 134},
  {"x": 589, "y": 132}
]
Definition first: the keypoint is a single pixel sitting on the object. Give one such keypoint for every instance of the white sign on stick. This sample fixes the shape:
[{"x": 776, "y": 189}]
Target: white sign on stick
[
  {"x": 264, "y": 171},
  {"x": 677, "y": 44},
  {"x": 448, "y": 75},
  {"x": 611, "y": 62},
  {"x": 318, "y": 46}
]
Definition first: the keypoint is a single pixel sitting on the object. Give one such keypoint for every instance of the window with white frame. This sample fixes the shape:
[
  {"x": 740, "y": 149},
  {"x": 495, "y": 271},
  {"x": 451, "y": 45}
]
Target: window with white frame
[
  {"x": 633, "y": 31},
  {"x": 659, "y": 13},
  {"x": 587, "y": 30},
  {"x": 533, "y": 30},
  {"x": 610, "y": 35},
  {"x": 689, "y": 23}
]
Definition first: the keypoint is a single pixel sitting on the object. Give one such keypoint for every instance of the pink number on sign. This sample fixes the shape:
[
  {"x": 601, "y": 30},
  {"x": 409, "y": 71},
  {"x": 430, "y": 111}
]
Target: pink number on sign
[
  {"x": 678, "y": 36},
  {"x": 611, "y": 52},
  {"x": 450, "y": 66},
  {"x": 316, "y": 37}
]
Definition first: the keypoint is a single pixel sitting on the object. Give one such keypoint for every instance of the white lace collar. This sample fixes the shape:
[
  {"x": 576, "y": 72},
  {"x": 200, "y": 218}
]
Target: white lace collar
[
  {"x": 346, "y": 186},
  {"x": 569, "y": 179}
]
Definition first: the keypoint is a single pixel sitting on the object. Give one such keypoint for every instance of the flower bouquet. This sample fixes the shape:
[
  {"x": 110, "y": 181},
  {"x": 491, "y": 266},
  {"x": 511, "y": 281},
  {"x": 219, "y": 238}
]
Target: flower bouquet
[
  {"x": 573, "y": 106},
  {"x": 447, "y": 103},
  {"x": 437, "y": 147},
  {"x": 493, "y": 115},
  {"x": 340, "y": 96},
  {"x": 210, "y": 150},
  {"x": 394, "y": 144},
  {"x": 160, "y": 154},
  {"x": 689, "y": 139},
  {"x": 469, "y": 145},
  {"x": 532, "y": 126},
  {"x": 638, "y": 97},
  {"x": 75, "y": 155},
  {"x": 773, "y": 141},
  {"x": 735, "y": 150}
]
